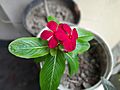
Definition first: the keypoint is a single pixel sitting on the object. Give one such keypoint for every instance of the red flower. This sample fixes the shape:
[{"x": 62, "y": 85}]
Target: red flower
[
  {"x": 67, "y": 37},
  {"x": 62, "y": 33},
  {"x": 50, "y": 34}
]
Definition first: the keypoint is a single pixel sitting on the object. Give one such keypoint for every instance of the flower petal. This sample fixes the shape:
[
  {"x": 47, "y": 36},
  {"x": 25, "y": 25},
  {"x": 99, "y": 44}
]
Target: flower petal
[
  {"x": 46, "y": 34},
  {"x": 74, "y": 33},
  {"x": 68, "y": 46},
  {"x": 52, "y": 42},
  {"x": 73, "y": 43},
  {"x": 60, "y": 34},
  {"x": 67, "y": 28},
  {"x": 52, "y": 25}
]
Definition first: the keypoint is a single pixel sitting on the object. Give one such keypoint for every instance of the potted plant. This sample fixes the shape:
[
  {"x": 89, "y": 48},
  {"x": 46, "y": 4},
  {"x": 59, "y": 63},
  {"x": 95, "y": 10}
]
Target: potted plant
[{"x": 61, "y": 52}]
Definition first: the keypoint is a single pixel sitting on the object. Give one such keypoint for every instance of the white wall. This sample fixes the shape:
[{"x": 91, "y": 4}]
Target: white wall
[
  {"x": 103, "y": 16},
  {"x": 13, "y": 9}
]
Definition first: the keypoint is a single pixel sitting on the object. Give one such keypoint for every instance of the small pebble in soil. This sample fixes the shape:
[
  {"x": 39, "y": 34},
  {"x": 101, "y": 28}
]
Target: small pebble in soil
[{"x": 86, "y": 85}]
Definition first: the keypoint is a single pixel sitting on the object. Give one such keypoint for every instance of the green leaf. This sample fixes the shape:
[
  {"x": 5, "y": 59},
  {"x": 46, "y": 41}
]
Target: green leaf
[
  {"x": 29, "y": 47},
  {"x": 84, "y": 35},
  {"x": 53, "y": 52},
  {"x": 107, "y": 84},
  {"x": 73, "y": 63},
  {"x": 40, "y": 59},
  {"x": 81, "y": 46},
  {"x": 52, "y": 71},
  {"x": 51, "y": 18},
  {"x": 61, "y": 47}
]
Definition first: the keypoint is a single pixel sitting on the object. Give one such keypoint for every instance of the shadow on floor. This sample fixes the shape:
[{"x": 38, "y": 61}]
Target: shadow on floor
[{"x": 17, "y": 73}]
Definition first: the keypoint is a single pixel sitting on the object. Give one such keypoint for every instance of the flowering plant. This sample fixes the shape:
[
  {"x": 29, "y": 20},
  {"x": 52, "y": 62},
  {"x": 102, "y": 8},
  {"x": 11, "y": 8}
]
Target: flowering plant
[{"x": 54, "y": 47}]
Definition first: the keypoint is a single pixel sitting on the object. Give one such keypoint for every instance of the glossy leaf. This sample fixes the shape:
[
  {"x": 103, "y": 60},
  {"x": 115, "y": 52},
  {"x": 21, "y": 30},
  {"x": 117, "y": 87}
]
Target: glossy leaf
[
  {"x": 81, "y": 46},
  {"x": 51, "y": 18},
  {"x": 53, "y": 51},
  {"x": 73, "y": 63},
  {"x": 107, "y": 84},
  {"x": 84, "y": 35},
  {"x": 52, "y": 71},
  {"x": 29, "y": 47}
]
